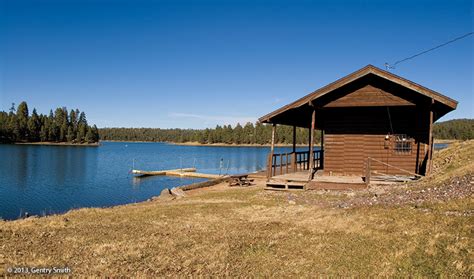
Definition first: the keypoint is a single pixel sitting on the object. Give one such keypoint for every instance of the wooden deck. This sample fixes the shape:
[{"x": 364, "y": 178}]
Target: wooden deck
[
  {"x": 289, "y": 181},
  {"x": 300, "y": 181},
  {"x": 185, "y": 172},
  {"x": 301, "y": 176}
]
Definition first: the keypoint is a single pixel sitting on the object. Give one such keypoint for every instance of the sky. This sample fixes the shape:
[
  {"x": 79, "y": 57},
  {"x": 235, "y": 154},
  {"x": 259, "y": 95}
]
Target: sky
[{"x": 196, "y": 64}]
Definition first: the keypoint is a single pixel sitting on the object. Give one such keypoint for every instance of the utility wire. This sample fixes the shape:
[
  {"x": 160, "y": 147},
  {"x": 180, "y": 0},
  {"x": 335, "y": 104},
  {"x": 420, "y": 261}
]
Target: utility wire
[{"x": 388, "y": 66}]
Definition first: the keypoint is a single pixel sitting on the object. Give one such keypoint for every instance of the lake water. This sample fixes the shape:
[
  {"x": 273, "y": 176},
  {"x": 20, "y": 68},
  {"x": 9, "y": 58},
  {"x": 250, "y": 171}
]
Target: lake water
[{"x": 44, "y": 180}]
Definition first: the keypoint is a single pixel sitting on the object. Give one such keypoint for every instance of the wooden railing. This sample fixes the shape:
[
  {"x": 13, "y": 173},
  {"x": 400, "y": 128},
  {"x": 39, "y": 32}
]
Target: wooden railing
[
  {"x": 292, "y": 162},
  {"x": 369, "y": 166}
]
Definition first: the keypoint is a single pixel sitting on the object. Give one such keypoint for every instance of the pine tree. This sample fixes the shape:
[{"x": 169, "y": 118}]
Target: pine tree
[
  {"x": 73, "y": 119},
  {"x": 82, "y": 118},
  {"x": 34, "y": 126},
  {"x": 218, "y": 134},
  {"x": 89, "y": 135},
  {"x": 228, "y": 134},
  {"x": 53, "y": 129},
  {"x": 14, "y": 127},
  {"x": 61, "y": 121},
  {"x": 4, "y": 132},
  {"x": 81, "y": 132},
  {"x": 249, "y": 133},
  {"x": 22, "y": 116},
  {"x": 70, "y": 134},
  {"x": 43, "y": 133},
  {"x": 238, "y": 134},
  {"x": 95, "y": 134},
  {"x": 12, "y": 108},
  {"x": 63, "y": 129}
]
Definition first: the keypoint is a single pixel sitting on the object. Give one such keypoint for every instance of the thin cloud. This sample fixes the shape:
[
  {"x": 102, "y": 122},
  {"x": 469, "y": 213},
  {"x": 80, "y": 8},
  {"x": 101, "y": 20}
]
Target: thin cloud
[{"x": 277, "y": 101}]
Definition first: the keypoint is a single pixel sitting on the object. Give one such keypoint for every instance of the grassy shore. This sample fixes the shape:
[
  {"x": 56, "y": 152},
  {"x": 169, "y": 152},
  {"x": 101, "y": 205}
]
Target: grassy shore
[{"x": 417, "y": 229}]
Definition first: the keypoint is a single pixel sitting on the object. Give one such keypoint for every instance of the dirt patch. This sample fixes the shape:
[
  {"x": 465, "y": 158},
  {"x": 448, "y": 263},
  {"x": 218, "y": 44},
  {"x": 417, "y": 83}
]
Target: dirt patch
[{"x": 454, "y": 188}]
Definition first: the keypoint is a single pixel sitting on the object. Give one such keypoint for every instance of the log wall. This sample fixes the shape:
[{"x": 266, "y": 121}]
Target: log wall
[{"x": 353, "y": 134}]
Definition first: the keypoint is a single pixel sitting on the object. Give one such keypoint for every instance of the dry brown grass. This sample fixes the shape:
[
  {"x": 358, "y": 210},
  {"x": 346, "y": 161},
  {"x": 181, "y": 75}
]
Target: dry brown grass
[{"x": 250, "y": 232}]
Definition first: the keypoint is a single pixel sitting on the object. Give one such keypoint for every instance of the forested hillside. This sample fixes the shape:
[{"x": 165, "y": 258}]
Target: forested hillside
[
  {"x": 18, "y": 125},
  {"x": 61, "y": 126},
  {"x": 259, "y": 134},
  {"x": 248, "y": 134},
  {"x": 460, "y": 129}
]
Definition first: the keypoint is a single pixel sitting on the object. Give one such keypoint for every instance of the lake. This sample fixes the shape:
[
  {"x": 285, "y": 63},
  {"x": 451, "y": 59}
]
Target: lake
[{"x": 44, "y": 180}]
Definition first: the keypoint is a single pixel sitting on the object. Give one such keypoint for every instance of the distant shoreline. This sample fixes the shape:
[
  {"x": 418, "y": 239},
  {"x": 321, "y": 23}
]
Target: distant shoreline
[
  {"x": 96, "y": 144},
  {"x": 236, "y": 145},
  {"x": 192, "y": 143},
  {"x": 445, "y": 140}
]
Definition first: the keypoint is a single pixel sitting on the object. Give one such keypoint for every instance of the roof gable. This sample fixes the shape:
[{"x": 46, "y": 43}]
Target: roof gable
[
  {"x": 448, "y": 103},
  {"x": 368, "y": 96}
]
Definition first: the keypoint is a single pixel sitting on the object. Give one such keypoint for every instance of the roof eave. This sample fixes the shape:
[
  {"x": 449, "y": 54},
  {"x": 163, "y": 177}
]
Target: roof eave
[{"x": 369, "y": 69}]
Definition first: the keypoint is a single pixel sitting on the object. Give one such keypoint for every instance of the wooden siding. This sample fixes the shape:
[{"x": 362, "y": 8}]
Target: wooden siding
[
  {"x": 369, "y": 96},
  {"x": 358, "y": 111},
  {"x": 353, "y": 134},
  {"x": 347, "y": 154}
]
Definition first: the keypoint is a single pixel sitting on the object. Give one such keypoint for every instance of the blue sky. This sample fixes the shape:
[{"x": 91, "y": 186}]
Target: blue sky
[{"x": 195, "y": 64}]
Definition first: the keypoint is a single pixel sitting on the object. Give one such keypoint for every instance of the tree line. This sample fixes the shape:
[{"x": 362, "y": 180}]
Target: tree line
[
  {"x": 257, "y": 133},
  {"x": 460, "y": 129},
  {"x": 248, "y": 134},
  {"x": 61, "y": 126}
]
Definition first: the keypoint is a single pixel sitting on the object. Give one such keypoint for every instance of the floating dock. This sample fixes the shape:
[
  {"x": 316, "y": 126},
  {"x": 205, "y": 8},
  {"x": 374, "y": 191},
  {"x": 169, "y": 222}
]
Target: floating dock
[{"x": 186, "y": 172}]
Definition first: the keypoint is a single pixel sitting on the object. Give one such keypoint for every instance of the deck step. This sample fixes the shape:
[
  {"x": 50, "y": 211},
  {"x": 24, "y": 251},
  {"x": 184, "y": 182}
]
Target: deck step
[
  {"x": 281, "y": 189},
  {"x": 315, "y": 185},
  {"x": 285, "y": 185}
]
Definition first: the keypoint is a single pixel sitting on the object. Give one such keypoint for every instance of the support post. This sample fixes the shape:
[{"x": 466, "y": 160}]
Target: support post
[
  {"x": 270, "y": 156},
  {"x": 309, "y": 147},
  {"x": 430, "y": 140},
  {"x": 321, "y": 158},
  {"x": 293, "y": 154},
  {"x": 417, "y": 138},
  {"x": 294, "y": 139},
  {"x": 273, "y": 138},
  {"x": 311, "y": 144}
]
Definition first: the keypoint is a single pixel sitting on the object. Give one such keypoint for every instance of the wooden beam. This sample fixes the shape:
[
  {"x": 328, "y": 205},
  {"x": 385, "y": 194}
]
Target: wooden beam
[
  {"x": 418, "y": 136},
  {"x": 293, "y": 154},
  {"x": 430, "y": 140},
  {"x": 273, "y": 137},
  {"x": 311, "y": 144},
  {"x": 270, "y": 155},
  {"x": 321, "y": 160},
  {"x": 294, "y": 139}
]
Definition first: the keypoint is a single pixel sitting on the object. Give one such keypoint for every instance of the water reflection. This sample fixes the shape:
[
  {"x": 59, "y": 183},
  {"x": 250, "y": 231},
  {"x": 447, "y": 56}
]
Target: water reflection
[
  {"x": 19, "y": 166},
  {"x": 43, "y": 179},
  {"x": 71, "y": 163}
]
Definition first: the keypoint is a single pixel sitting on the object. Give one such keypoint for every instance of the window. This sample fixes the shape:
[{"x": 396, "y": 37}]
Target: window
[{"x": 402, "y": 144}]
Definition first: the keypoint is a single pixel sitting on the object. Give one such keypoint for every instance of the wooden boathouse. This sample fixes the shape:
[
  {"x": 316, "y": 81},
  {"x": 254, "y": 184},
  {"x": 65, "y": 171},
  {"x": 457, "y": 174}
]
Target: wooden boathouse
[{"x": 373, "y": 124}]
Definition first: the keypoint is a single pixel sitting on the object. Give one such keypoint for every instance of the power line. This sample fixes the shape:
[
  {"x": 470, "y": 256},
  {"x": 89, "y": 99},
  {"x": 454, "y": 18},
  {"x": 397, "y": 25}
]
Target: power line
[{"x": 388, "y": 66}]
